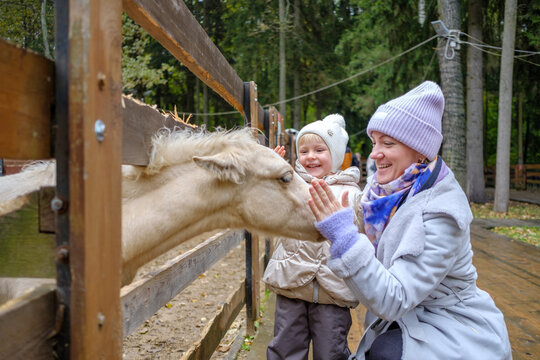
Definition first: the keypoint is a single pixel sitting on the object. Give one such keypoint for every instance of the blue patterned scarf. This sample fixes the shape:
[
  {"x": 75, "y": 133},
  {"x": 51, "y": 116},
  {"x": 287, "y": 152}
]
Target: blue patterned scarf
[{"x": 381, "y": 201}]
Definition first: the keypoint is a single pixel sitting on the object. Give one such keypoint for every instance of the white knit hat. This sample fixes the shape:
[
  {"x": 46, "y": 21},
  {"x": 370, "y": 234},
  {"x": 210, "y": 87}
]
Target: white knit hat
[
  {"x": 413, "y": 119},
  {"x": 332, "y": 130}
]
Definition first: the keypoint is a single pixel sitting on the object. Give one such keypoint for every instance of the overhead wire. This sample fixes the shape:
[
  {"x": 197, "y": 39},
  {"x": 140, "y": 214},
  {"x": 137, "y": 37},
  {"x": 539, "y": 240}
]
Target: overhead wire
[
  {"x": 478, "y": 44},
  {"x": 354, "y": 75},
  {"x": 482, "y": 46},
  {"x": 518, "y": 57},
  {"x": 330, "y": 85}
]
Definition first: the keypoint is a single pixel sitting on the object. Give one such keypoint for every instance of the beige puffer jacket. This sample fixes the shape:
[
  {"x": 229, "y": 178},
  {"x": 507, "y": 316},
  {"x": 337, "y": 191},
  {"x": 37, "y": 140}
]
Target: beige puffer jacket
[{"x": 298, "y": 269}]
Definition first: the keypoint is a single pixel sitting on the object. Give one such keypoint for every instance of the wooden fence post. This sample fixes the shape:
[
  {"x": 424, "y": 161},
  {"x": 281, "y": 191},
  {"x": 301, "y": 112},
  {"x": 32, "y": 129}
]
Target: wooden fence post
[
  {"x": 271, "y": 118},
  {"x": 61, "y": 150},
  {"x": 253, "y": 273},
  {"x": 95, "y": 154},
  {"x": 268, "y": 130}
]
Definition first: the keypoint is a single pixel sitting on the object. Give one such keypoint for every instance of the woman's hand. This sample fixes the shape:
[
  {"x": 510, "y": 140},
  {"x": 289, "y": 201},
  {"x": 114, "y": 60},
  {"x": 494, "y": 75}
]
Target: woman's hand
[
  {"x": 323, "y": 203},
  {"x": 280, "y": 150}
]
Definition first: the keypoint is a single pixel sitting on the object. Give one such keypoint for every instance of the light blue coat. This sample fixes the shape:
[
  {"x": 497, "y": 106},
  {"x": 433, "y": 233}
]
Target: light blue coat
[{"x": 423, "y": 278}]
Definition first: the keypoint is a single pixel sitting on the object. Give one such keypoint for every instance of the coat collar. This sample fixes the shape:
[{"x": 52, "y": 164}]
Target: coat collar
[{"x": 405, "y": 234}]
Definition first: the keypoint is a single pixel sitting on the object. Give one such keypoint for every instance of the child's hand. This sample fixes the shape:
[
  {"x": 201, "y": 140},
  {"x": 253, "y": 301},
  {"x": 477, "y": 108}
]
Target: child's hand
[
  {"x": 280, "y": 150},
  {"x": 323, "y": 203}
]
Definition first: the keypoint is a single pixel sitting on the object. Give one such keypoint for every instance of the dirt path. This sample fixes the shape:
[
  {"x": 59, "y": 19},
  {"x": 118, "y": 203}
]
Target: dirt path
[{"x": 170, "y": 332}]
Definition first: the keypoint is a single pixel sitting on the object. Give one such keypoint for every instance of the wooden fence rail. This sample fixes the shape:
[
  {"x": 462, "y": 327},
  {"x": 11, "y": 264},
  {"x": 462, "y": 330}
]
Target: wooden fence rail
[
  {"x": 521, "y": 176},
  {"x": 143, "y": 298},
  {"x": 27, "y": 325},
  {"x": 86, "y": 313}
]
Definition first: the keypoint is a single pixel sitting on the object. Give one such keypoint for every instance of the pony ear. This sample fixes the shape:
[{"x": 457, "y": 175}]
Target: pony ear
[{"x": 225, "y": 166}]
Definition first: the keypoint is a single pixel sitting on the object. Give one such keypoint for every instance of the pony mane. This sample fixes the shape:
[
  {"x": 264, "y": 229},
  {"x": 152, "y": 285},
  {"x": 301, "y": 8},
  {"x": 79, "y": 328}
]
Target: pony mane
[
  {"x": 14, "y": 188},
  {"x": 172, "y": 147}
]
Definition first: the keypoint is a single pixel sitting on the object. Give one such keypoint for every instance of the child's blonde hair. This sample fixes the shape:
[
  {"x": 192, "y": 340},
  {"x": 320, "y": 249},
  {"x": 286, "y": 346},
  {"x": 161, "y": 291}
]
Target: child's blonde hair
[{"x": 309, "y": 138}]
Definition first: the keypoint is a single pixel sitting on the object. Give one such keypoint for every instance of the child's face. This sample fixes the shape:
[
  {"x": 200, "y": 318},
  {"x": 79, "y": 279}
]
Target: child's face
[{"x": 315, "y": 157}]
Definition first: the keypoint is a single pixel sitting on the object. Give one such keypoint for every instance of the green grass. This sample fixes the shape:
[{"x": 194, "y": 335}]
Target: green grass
[
  {"x": 516, "y": 210},
  {"x": 528, "y": 234}
]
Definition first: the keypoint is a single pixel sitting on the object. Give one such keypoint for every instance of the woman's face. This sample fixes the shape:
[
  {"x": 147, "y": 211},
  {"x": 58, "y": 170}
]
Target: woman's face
[{"x": 391, "y": 157}]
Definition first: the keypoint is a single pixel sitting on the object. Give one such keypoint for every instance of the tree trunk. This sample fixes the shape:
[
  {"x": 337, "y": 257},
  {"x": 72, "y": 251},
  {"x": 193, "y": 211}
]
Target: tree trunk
[
  {"x": 421, "y": 11},
  {"x": 282, "y": 59},
  {"x": 520, "y": 183},
  {"x": 296, "y": 114},
  {"x": 484, "y": 136},
  {"x": 527, "y": 140},
  {"x": 502, "y": 176},
  {"x": 44, "y": 30},
  {"x": 475, "y": 153},
  {"x": 453, "y": 126},
  {"x": 520, "y": 129},
  {"x": 298, "y": 52}
]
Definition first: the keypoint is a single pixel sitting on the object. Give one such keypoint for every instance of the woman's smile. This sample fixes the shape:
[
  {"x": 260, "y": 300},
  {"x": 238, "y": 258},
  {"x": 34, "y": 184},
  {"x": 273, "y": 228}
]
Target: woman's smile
[{"x": 391, "y": 157}]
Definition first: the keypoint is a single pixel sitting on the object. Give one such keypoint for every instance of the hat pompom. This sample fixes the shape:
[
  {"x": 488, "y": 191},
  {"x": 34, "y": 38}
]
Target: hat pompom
[{"x": 335, "y": 118}]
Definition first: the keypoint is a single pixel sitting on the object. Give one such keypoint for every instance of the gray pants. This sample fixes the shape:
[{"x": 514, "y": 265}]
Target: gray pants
[
  {"x": 388, "y": 345},
  {"x": 298, "y": 322}
]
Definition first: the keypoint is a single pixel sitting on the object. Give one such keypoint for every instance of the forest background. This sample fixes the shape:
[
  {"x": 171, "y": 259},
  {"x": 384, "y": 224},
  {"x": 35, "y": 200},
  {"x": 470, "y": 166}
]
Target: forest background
[{"x": 340, "y": 56}]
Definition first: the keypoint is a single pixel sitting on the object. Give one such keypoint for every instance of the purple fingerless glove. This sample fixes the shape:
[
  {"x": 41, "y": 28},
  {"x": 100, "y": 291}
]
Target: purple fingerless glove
[{"x": 340, "y": 229}]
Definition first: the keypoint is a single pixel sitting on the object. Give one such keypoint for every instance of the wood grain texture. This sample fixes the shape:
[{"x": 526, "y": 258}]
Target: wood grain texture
[
  {"x": 257, "y": 111},
  {"x": 256, "y": 275},
  {"x": 140, "y": 123},
  {"x": 257, "y": 121},
  {"x": 45, "y": 213},
  {"x": 140, "y": 300},
  {"x": 26, "y": 99},
  {"x": 173, "y": 26},
  {"x": 95, "y": 29},
  {"x": 26, "y": 323},
  {"x": 508, "y": 271},
  {"x": 13, "y": 166},
  {"x": 273, "y": 128}
]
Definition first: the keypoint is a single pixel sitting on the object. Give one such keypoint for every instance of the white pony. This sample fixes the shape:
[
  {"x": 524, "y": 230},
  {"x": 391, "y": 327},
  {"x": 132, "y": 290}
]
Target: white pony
[{"x": 195, "y": 182}]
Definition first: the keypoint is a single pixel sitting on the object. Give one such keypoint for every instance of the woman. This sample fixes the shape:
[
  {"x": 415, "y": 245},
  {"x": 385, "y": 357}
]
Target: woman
[{"x": 413, "y": 269}]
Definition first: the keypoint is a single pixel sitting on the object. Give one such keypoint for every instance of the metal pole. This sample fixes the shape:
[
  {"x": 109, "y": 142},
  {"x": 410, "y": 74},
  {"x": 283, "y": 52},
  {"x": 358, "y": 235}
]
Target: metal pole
[{"x": 247, "y": 236}]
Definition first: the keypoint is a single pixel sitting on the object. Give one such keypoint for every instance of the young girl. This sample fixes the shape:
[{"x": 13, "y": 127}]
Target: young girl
[{"x": 312, "y": 303}]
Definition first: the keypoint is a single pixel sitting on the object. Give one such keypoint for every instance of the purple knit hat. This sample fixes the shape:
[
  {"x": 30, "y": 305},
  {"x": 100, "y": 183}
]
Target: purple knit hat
[{"x": 413, "y": 119}]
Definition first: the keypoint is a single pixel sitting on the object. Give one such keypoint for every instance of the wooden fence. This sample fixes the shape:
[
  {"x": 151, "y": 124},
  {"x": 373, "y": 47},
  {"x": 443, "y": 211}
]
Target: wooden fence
[
  {"x": 58, "y": 110},
  {"x": 521, "y": 176}
]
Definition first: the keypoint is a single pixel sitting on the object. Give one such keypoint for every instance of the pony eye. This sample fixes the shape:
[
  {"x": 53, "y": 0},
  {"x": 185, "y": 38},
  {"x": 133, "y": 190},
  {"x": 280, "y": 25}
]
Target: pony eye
[{"x": 286, "y": 178}]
